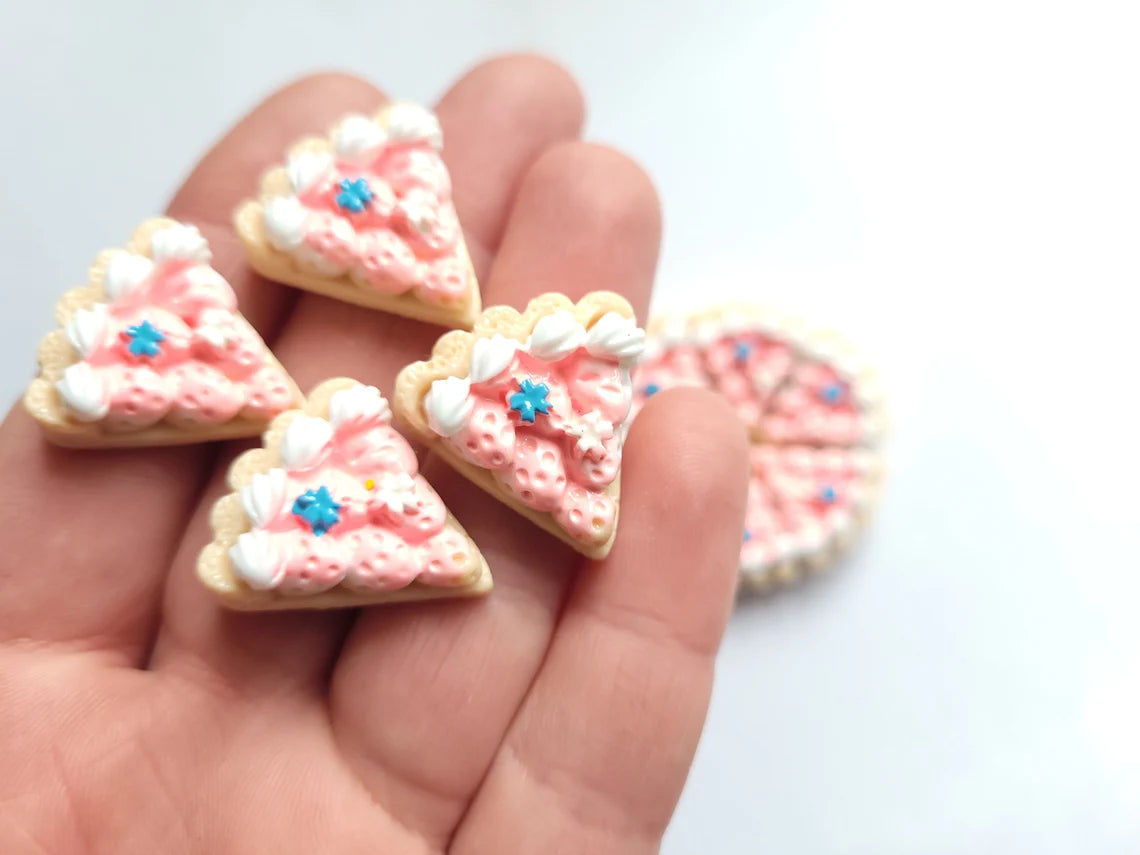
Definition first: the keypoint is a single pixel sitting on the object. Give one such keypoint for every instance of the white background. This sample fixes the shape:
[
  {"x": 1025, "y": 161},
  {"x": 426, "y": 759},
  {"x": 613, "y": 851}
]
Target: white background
[{"x": 953, "y": 184}]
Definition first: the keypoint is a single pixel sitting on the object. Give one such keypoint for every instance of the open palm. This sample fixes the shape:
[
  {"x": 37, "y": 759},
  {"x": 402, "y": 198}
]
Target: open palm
[{"x": 559, "y": 714}]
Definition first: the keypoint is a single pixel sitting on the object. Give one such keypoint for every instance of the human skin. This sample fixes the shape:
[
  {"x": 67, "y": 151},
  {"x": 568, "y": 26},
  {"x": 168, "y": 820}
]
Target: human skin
[{"x": 559, "y": 714}]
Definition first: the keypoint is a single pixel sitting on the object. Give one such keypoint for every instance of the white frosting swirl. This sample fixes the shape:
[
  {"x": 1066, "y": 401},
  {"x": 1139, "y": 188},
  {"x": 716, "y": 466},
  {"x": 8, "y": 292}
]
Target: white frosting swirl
[
  {"x": 358, "y": 138},
  {"x": 285, "y": 219},
  {"x": 306, "y": 168},
  {"x": 87, "y": 328},
  {"x": 256, "y": 561},
  {"x": 264, "y": 497},
  {"x": 448, "y": 405},
  {"x": 616, "y": 335},
  {"x": 556, "y": 336},
  {"x": 410, "y": 122},
  {"x": 491, "y": 357},
  {"x": 126, "y": 271},
  {"x": 84, "y": 392},
  {"x": 304, "y": 441},
  {"x": 179, "y": 243},
  {"x": 360, "y": 404}
]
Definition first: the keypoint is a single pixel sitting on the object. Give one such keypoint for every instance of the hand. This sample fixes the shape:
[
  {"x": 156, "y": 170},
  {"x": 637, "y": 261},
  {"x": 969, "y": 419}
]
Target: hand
[{"x": 559, "y": 714}]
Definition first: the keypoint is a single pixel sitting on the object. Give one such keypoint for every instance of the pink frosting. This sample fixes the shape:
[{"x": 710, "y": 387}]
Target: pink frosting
[
  {"x": 372, "y": 547},
  {"x": 194, "y": 377},
  {"x": 546, "y": 464},
  {"x": 799, "y": 498},
  {"x": 406, "y": 238}
]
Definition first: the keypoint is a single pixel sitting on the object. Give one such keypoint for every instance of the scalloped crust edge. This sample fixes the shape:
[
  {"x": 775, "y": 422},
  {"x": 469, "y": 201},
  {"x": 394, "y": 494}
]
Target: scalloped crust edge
[
  {"x": 55, "y": 354},
  {"x": 249, "y": 221},
  {"x": 451, "y": 355},
  {"x": 228, "y": 520}
]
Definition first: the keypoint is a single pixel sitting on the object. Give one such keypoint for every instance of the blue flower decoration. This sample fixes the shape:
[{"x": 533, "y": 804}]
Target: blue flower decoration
[
  {"x": 743, "y": 350},
  {"x": 145, "y": 339},
  {"x": 832, "y": 393},
  {"x": 318, "y": 509},
  {"x": 827, "y": 494},
  {"x": 651, "y": 390},
  {"x": 354, "y": 195},
  {"x": 530, "y": 399}
]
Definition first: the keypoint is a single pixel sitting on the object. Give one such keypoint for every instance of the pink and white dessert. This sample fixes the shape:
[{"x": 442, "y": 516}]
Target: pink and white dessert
[
  {"x": 814, "y": 415},
  {"x": 154, "y": 351},
  {"x": 366, "y": 216},
  {"x": 533, "y": 408},
  {"x": 333, "y": 511}
]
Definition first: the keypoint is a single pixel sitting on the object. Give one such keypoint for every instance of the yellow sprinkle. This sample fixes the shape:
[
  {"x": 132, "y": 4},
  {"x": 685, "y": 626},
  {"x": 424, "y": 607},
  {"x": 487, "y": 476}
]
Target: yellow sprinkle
[{"x": 369, "y": 484}]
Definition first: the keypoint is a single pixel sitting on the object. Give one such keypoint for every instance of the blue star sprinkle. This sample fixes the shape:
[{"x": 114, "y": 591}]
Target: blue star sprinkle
[
  {"x": 530, "y": 399},
  {"x": 747, "y": 535},
  {"x": 145, "y": 339},
  {"x": 831, "y": 393},
  {"x": 743, "y": 350},
  {"x": 827, "y": 494},
  {"x": 318, "y": 509},
  {"x": 651, "y": 390},
  {"x": 354, "y": 195}
]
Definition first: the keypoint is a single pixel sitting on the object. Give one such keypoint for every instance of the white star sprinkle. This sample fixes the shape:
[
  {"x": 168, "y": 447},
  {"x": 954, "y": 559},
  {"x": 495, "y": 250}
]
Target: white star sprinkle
[
  {"x": 592, "y": 430},
  {"x": 396, "y": 491}
]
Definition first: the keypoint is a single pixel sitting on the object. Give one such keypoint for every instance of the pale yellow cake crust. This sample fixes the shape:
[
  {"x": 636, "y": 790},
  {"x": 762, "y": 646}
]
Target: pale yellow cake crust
[
  {"x": 451, "y": 356},
  {"x": 55, "y": 354},
  {"x": 249, "y": 221},
  {"x": 228, "y": 520}
]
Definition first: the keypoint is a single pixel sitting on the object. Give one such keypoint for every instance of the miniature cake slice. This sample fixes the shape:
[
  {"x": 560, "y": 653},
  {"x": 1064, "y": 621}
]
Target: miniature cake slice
[
  {"x": 153, "y": 351},
  {"x": 332, "y": 512},
  {"x": 366, "y": 216},
  {"x": 532, "y": 407},
  {"x": 805, "y": 506}
]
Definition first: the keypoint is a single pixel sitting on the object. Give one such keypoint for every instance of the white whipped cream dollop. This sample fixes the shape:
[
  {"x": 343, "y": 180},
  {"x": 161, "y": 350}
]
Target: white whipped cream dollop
[
  {"x": 256, "y": 561},
  {"x": 264, "y": 497},
  {"x": 305, "y": 441},
  {"x": 84, "y": 392},
  {"x": 306, "y": 168},
  {"x": 87, "y": 328},
  {"x": 556, "y": 336},
  {"x": 179, "y": 243},
  {"x": 360, "y": 404},
  {"x": 126, "y": 271},
  {"x": 448, "y": 405},
  {"x": 410, "y": 122},
  {"x": 491, "y": 357},
  {"x": 617, "y": 336},
  {"x": 285, "y": 219},
  {"x": 358, "y": 138}
]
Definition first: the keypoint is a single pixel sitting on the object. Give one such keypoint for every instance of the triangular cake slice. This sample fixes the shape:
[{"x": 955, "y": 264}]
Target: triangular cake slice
[
  {"x": 366, "y": 216},
  {"x": 532, "y": 407},
  {"x": 805, "y": 506},
  {"x": 332, "y": 511},
  {"x": 153, "y": 351},
  {"x": 829, "y": 398}
]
